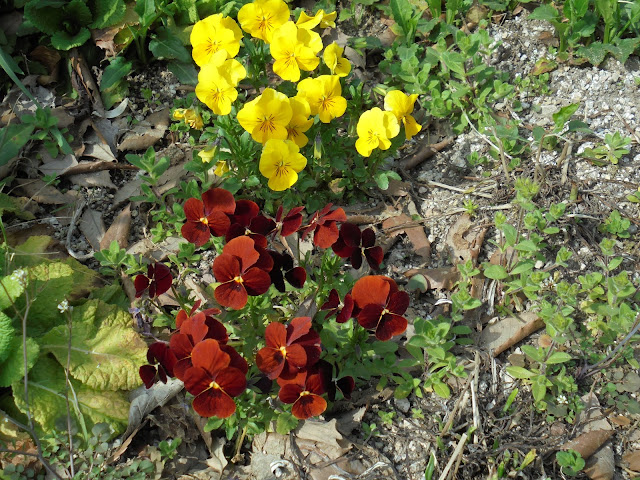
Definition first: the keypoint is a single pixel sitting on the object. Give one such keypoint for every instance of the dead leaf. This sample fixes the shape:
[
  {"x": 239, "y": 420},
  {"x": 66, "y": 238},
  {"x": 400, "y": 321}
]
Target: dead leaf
[
  {"x": 589, "y": 442},
  {"x": 632, "y": 459},
  {"x": 498, "y": 337},
  {"x": 146, "y": 133},
  {"x": 93, "y": 179},
  {"x": 144, "y": 401},
  {"x": 128, "y": 190},
  {"x": 620, "y": 420},
  {"x": 92, "y": 227},
  {"x": 443, "y": 278},
  {"x": 44, "y": 194},
  {"x": 464, "y": 240},
  {"x": 58, "y": 166},
  {"x": 119, "y": 230},
  {"x": 100, "y": 151},
  {"x": 397, "y": 188},
  {"x": 417, "y": 237}
]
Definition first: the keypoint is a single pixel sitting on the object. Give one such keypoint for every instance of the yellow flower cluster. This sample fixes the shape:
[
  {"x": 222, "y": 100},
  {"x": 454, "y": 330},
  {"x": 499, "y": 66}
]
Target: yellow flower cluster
[{"x": 276, "y": 121}]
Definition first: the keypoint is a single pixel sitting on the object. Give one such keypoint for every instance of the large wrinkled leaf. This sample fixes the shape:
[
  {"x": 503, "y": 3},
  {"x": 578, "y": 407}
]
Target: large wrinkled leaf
[
  {"x": 48, "y": 404},
  {"x": 106, "y": 352},
  {"x": 10, "y": 290},
  {"x": 7, "y": 332},
  {"x": 12, "y": 369}
]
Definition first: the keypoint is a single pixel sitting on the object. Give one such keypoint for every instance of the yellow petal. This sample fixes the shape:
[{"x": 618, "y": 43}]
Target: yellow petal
[
  {"x": 411, "y": 127},
  {"x": 363, "y": 147}
]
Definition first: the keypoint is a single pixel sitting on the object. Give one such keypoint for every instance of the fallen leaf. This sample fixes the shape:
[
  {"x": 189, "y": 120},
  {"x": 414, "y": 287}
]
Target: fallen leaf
[
  {"x": 93, "y": 179},
  {"x": 632, "y": 459},
  {"x": 58, "y": 166},
  {"x": 44, "y": 194},
  {"x": 128, "y": 190},
  {"x": 464, "y": 240},
  {"x": 147, "y": 133},
  {"x": 588, "y": 443},
  {"x": 119, "y": 230},
  {"x": 415, "y": 233},
  {"x": 144, "y": 401},
  {"x": 92, "y": 227},
  {"x": 443, "y": 278},
  {"x": 100, "y": 151},
  {"x": 620, "y": 420},
  {"x": 505, "y": 333}
]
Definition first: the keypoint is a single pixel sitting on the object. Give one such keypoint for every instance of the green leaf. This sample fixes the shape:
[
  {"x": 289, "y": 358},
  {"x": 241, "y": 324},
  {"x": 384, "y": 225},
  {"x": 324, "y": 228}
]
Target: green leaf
[
  {"x": 564, "y": 114},
  {"x": 79, "y": 12},
  {"x": 48, "y": 405},
  {"x": 418, "y": 282},
  {"x": 519, "y": 372},
  {"x": 46, "y": 16},
  {"x": 65, "y": 41},
  {"x": 382, "y": 180},
  {"x": 186, "y": 73},
  {"x": 12, "y": 138},
  {"x": 10, "y": 290},
  {"x": 166, "y": 46},
  {"x": 7, "y": 332},
  {"x": 558, "y": 357},
  {"x": 106, "y": 352},
  {"x": 495, "y": 272},
  {"x": 595, "y": 53},
  {"x": 545, "y": 12},
  {"x": 285, "y": 423},
  {"x": 108, "y": 12},
  {"x": 146, "y": 10},
  {"x": 12, "y": 369},
  {"x": 441, "y": 389},
  {"x": 116, "y": 71},
  {"x": 454, "y": 62}
]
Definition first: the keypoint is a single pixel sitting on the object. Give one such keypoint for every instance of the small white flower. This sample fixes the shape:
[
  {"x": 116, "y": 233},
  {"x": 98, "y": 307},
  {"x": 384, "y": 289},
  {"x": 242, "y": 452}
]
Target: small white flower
[
  {"x": 63, "y": 306},
  {"x": 562, "y": 399},
  {"x": 19, "y": 276}
]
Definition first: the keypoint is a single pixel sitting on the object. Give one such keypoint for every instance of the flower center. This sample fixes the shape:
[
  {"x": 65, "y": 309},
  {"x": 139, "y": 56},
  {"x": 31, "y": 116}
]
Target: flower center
[
  {"x": 283, "y": 351},
  {"x": 306, "y": 392},
  {"x": 267, "y": 124},
  {"x": 214, "y": 385},
  {"x": 384, "y": 312},
  {"x": 204, "y": 220},
  {"x": 238, "y": 279}
]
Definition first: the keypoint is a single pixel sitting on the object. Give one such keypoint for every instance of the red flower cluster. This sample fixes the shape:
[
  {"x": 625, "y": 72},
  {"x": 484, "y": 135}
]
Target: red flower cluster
[{"x": 198, "y": 355}]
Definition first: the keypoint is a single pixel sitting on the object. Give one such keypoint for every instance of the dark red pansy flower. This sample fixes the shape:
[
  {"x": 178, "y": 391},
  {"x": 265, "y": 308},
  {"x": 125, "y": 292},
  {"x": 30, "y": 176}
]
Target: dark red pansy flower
[
  {"x": 283, "y": 269},
  {"x": 345, "y": 384},
  {"x": 158, "y": 280},
  {"x": 323, "y": 224},
  {"x": 291, "y": 221},
  {"x": 161, "y": 362},
  {"x": 289, "y": 349},
  {"x": 238, "y": 274},
  {"x": 192, "y": 331},
  {"x": 305, "y": 396},
  {"x": 341, "y": 310},
  {"x": 353, "y": 244},
  {"x": 380, "y": 305},
  {"x": 183, "y": 315},
  {"x": 213, "y": 381},
  {"x": 208, "y": 216},
  {"x": 247, "y": 221}
]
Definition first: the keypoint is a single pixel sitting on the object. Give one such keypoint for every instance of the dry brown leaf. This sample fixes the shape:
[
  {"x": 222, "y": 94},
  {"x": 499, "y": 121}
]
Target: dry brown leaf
[
  {"x": 632, "y": 459},
  {"x": 620, "y": 420},
  {"x": 93, "y": 179},
  {"x": 589, "y": 442},
  {"x": 146, "y": 133},
  {"x": 58, "y": 166},
  {"x": 417, "y": 237},
  {"x": 44, "y": 194},
  {"x": 505, "y": 333},
  {"x": 119, "y": 230},
  {"x": 100, "y": 151},
  {"x": 92, "y": 227},
  {"x": 443, "y": 278},
  {"x": 144, "y": 400},
  {"x": 465, "y": 240}
]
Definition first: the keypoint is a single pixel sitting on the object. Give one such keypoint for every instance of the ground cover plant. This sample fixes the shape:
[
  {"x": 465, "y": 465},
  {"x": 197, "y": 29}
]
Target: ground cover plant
[{"x": 258, "y": 301}]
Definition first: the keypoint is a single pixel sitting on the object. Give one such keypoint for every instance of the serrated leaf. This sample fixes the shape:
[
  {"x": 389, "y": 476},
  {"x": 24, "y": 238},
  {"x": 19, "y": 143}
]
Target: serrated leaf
[
  {"x": 108, "y": 12},
  {"x": 106, "y": 352},
  {"x": 285, "y": 423},
  {"x": 12, "y": 369},
  {"x": 166, "y": 46},
  {"x": 65, "y": 41},
  {"x": 45, "y": 16},
  {"x": 545, "y": 12},
  {"x": 48, "y": 405}
]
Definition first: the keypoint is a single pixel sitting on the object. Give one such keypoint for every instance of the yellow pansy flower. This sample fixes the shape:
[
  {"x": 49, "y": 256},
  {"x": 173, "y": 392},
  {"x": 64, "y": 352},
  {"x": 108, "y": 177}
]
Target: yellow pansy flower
[
  {"x": 280, "y": 162},
  {"x": 325, "y": 20},
  {"x": 375, "y": 129},
  {"x": 207, "y": 154},
  {"x": 300, "y": 121},
  {"x": 217, "y": 81},
  {"x": 324, "y": 95},
  {"x": 294, "y": 49},
  {"x": 262, "y": 17},
  {"x": 333, "y": 59},
  {"x": 222, "y": 167},
  {"x": 213, "y": 34},
  {"x": 401, "y": 105},
  {"x": 266, "y": 116}
]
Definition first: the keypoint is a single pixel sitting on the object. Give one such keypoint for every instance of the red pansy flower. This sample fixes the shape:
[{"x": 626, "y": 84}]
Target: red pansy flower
[
  {"x": 345, "y": 384},
  {"x": 213, "y": 381},
  {"x": 158, "y": 280},
  {"x": 208, "y": 216},
  {"x": 323, "y": 224},
  {"x": 247, "y": 221},
  {"x": 353, "y": 244},
  {"x": 305, "y": 396},
  {"x": 342, "y": 310},
  {"x": 192, "y": 331},
  {"x": 283, "y": 269},
  {"x": 239, "y": 273},
  {"x": 161, "y": 360},
  {"x": 182, "y": 315},
  {"x": 289, "y": 349},
  {"x": 380, "y": 305},
  {"x": 291, "y": 221}
]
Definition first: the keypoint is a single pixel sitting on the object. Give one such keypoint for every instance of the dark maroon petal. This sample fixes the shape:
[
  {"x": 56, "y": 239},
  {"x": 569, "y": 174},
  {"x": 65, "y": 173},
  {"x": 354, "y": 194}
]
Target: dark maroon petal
[
  {"x": 370, "y": 316},
  {"x": 390, "y": 326},
  {"x": 216, "y": 330},
  {"x": 290, "y": 392},
  {"x": 368, "y": 238},
  {"x": 346, "y": 385},
  {"x": 356, "y": 258},
  {"x": 347, "y": 310},
  {"x": 148, "y": 375},
  {"x": 296, "y": 277},
  {"x": 196, "y": 232},
  {"x": 219, "y": 200},
  {"x": 219, "y": 224},
  {"x": 341, "y": 249},
  {"x": 236, "y": 361},
  {"x": 232, "y": 381},
  {"x": 374, "y": 256},
  {"x": 265, "y": 261},
  {"x": 193, "y": 210},
  {"x": 277, "y": 279},
  {"x": 214, "y": 402},
  {"x": 245, "y": 211},
  {"x": 235, "y": 230},
  {"x": 262, "y": 225},
  {"x": 196, "y": 380},
  {"x": 141, "y": 283},
  {"x": 332, "y": 302},
  {"x": 398, "y": 303},
  {"x": 350, "y": 234},
  {"x": 162, "y": 278}
]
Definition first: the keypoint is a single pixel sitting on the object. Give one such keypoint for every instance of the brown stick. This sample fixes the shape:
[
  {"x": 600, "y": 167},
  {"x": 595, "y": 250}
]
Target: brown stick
[
  {"x": 97, "y": 167},
  {"x": 426, "y": 152}
]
